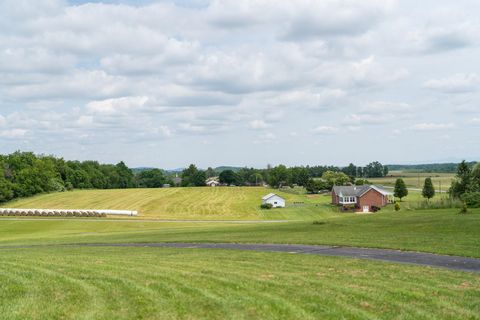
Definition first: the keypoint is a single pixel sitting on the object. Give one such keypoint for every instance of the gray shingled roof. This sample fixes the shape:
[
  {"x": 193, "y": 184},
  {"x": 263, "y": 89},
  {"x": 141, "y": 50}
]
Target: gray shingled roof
[
  {"x": 355, "y": 191},
  {"x": 350, "y": 191}
]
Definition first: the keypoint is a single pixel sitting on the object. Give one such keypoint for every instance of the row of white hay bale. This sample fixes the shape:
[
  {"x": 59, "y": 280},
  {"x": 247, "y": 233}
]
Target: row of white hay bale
[{"x": 63, "y": 212}]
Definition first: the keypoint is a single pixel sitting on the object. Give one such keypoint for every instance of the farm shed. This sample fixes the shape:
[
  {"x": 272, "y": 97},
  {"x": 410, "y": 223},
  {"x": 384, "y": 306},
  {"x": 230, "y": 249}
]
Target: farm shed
[{"x": 275, "y": 200}]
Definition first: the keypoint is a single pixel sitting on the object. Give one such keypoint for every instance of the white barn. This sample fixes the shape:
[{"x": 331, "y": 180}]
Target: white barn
[{"x": 275, "y": 200}]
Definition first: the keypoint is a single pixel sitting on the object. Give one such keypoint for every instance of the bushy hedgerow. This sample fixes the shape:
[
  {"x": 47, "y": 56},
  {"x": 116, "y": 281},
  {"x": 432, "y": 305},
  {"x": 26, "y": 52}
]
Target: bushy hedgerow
[{"x": 472, "y": 199}]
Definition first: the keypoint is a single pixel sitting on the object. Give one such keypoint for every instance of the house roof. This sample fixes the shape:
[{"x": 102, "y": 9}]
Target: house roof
[
  {"x": 268, "y": 196},
  {"x": 357, "y": 191}
]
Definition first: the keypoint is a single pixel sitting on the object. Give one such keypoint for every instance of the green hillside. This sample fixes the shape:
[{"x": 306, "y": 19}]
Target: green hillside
[{"x": 179, "y": 203}]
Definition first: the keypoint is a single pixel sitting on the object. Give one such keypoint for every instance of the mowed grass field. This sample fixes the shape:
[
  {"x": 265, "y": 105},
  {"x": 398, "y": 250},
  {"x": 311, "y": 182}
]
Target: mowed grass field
[
  {"x": 161, "y": 283},
  {"x": 438, "y": 231},
  {"x": 416, "y": 180},
  {"x": 201, "y": 203},
  {"x": 231, "y": 203},
  {"x": 46, "y": 274}
]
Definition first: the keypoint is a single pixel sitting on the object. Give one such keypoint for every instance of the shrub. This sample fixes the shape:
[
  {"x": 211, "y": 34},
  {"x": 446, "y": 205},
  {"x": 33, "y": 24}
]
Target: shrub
[
  {"x": 397, "y": 206},
  {"x": 464, "y": 209},
  {"x": 375, "y": 208},
  {"x": 472, "y": 199},
  {"x": 266, "y": 206},
  {"x": 351, "y": 207}
]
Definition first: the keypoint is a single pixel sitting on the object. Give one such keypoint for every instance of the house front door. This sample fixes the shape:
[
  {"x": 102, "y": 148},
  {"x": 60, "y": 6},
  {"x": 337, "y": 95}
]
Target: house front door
[{"x": 365, "y": 208}]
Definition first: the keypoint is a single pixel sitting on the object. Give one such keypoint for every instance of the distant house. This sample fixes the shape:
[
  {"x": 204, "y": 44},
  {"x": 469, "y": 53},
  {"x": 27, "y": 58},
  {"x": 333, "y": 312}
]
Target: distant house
[
  {"x": 275, "y": 200},
  {"x": 212, "y": 182},
  {"x": 364, "y": 198},
  {"x": 177, "y": 181}
]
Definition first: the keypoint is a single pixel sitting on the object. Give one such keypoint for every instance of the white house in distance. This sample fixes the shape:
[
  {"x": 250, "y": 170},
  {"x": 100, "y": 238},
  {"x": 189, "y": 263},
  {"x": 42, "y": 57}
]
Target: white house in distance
[
  {"x": 212, "y": 182},
  {"x": 275, "y": 200}
]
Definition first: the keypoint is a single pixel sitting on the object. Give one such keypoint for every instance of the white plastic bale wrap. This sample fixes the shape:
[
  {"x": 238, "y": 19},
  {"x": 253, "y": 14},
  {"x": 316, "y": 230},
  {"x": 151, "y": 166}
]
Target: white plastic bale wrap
[{"x": 64, "y": 212}]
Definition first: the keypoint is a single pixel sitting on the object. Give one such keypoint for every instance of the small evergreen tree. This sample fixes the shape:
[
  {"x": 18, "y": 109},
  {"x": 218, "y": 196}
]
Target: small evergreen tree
[
  {"x": 428, "y": 190},
  {"x": 400, "y": 190},
  {"x": 397, "y": 206}
]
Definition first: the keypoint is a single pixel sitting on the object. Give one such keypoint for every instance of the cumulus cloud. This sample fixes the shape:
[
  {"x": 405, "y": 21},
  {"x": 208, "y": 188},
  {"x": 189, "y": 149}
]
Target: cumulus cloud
[
  {"x": 367, "y": 119},
  {"x": 258, "y": 124},
  {"x": 325, "y": 130},
  {"x": 428, "y": 126},
  {"x": 312, "y": 19},
  {"x": 475, "y": 121},
  {"x": 117, "y": 105},
  {"x": 457, "y": 83},
  {"x": 119, "y": 73},
  {"x": 13, "y": 133}
]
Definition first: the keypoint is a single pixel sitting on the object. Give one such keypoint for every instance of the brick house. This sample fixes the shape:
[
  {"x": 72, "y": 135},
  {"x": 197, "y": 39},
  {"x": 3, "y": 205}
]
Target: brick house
[{"x": 364, "y": 198}]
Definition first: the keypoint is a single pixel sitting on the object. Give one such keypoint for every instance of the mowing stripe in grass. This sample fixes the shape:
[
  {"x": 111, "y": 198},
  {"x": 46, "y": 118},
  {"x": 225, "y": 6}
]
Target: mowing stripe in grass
[{"x": 420, "y": 258}]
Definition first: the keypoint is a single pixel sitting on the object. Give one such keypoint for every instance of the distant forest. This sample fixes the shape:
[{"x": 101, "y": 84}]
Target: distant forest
[
  {"x": 428, "y": 168},
  {"x": 24, "y": 174}
]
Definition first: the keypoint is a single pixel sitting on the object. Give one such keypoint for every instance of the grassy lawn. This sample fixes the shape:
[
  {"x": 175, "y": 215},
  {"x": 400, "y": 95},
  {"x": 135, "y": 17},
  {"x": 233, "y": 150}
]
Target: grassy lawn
[
  {"x": 161, "y": 283},
  {"x": 231, "y": 203},
  {"x": 439, "y": 231}
]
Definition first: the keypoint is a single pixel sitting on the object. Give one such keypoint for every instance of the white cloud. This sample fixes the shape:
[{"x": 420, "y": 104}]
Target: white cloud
[
  {"x": 458, "y": 83},
  {"x": 386, "y": 107},
  {"x": 475, "y": 121},
  {"x": 119, "y": 74},
  {"x": 13, "y": 133},
  {"x": 258, "y": 124},
  {"x": 325, "y": 130},
  {"x": 85, "y": 120},
  {"x": 117, "y": 105},
  {"x": 367, "y": 119},
  {"x": 192, "y": 128},
  {"x": 428, "y": 126}
]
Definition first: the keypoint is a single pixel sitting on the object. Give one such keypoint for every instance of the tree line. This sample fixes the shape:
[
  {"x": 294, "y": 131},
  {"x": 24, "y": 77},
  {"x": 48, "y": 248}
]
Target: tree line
[
  {"x": 312, "y": 178},
  {"x": 428, "y": 168},
  {"x": 24, "y": 174}
]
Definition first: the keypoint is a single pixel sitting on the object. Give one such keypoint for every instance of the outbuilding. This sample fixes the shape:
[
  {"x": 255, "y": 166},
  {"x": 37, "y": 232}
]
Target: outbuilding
[
  {"x": 212, "y": 183},
  {"x": 275, "y": 200}
]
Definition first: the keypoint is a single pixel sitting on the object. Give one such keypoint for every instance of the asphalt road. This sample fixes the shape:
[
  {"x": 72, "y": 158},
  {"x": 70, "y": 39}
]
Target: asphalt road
[{"x": 408, "y": 257}]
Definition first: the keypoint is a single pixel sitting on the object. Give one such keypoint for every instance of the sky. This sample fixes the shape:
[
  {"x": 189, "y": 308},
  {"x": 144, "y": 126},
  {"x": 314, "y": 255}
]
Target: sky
[{"x": 241, "y": 82}]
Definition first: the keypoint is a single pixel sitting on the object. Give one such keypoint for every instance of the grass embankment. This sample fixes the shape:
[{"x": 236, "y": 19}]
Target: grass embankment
[
  {"x": 439, "y": 231},
  {"x": 230, "y": 203},
  {"x": 160, "y": 283}
]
